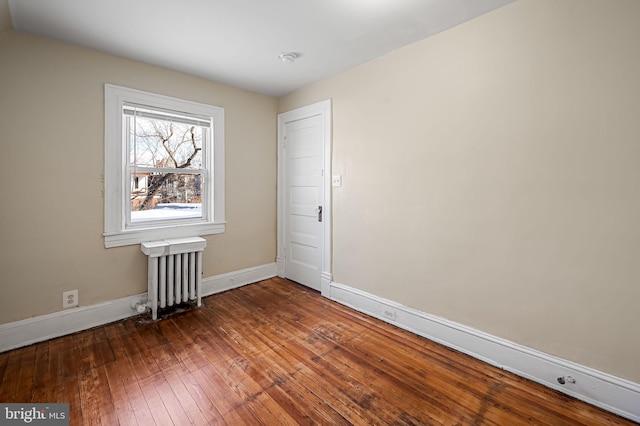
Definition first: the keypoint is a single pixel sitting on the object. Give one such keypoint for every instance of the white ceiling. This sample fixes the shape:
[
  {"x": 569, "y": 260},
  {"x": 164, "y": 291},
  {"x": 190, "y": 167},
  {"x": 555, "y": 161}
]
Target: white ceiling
[{"x": 237, "y": 42}]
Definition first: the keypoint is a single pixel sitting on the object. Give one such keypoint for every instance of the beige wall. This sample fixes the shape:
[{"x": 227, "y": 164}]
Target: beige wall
[
  {"x": 5, "y": 16},
  {"x": 52, "y": 162},
  {"x": 491, "y": 176}
]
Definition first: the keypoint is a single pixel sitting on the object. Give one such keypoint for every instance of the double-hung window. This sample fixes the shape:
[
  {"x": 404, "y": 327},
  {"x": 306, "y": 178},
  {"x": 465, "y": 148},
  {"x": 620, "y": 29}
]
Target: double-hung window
[{"x": 164, "y": 167}]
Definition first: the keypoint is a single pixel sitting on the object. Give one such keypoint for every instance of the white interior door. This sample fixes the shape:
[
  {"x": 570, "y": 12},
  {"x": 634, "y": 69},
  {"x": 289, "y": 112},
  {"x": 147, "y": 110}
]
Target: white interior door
[
  {"x": 303, "y": 196},
  {"x": 304, "y": 200}
]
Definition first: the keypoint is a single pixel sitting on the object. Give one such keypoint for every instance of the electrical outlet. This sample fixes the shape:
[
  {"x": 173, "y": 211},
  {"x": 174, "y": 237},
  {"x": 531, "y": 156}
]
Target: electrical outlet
[
  {"x": 390, "y": 314},
  {"x": 566, "y": 379},
  {"x": 70, "y": 299}
]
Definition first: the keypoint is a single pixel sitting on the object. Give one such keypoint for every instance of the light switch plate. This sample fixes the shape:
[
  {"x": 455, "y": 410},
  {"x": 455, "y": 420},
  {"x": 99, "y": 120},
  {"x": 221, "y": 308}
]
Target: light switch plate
[{"x": 336, "y": 180}]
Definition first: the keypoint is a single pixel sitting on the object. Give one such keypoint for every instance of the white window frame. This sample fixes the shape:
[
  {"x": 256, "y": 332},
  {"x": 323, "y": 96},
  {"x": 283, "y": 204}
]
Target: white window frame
[{"x": 116, "y": 179}]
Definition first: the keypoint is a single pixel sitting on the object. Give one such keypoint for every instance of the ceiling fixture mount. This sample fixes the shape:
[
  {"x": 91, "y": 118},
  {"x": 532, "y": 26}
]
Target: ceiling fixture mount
[{"x": 288, "y": 57}]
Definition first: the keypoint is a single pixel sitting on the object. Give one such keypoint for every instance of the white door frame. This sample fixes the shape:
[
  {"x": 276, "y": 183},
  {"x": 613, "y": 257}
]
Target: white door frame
[{"x": 322, "y": 108}]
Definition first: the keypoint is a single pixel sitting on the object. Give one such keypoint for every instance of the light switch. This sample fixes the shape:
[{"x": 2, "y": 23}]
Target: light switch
[{"x": 336, "y": 180}]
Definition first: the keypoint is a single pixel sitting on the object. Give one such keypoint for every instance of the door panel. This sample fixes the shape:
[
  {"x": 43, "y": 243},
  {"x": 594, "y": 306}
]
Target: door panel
[{"x": 304, "y": 195}]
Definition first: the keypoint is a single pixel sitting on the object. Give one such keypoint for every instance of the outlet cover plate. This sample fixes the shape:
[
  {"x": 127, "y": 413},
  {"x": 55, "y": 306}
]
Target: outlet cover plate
[{"x": 70, "y": 299}]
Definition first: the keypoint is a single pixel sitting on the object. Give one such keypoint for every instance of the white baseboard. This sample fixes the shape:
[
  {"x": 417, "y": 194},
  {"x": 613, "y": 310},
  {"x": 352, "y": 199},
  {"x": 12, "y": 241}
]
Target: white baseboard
[
  {"x": 610, "y": 393},
  {"x": 33, "y": 330},
  {"x": 224, "y": 282}
]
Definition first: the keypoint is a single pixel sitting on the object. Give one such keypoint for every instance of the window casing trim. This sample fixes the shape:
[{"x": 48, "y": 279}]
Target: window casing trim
[{"x": 116, "y": 232}]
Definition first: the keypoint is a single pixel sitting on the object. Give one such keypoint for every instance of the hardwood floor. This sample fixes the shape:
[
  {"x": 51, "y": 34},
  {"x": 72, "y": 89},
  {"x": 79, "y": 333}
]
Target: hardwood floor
[{"x": 275, "y": 353}]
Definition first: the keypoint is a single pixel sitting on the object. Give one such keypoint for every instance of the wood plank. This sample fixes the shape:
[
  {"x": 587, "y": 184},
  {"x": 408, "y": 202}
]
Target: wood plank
[
  {"x": 26, "y": 374},
  {"x": 102, "y": 348},
  {"x": 175, "y": 382},
  {"x": 11, "y": 378},
  {"x": 122, "y": 404},
  {"x": 95, "y": 397},
  {"x": 4, "y": 362},
  {"x": 124, "y": 379},
  {"x": 230, "y": 406},
  {"x": 201, "y": 400},
  {"x": 55, "y": 385},
  {"x": 168, "y": 398},
  {"x": 42, "y": 376},
  {"x": 71, "y": 395}
]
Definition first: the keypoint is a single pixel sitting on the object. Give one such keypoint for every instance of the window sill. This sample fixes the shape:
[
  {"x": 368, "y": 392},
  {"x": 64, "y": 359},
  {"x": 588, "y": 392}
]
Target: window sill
[{"x": 137, "y": 236}]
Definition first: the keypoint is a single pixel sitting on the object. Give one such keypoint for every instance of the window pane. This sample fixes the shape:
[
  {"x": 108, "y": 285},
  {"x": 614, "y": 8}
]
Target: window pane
[
  {"x": 164, "y": 143},
  {"x": 162, "y": 196}
]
